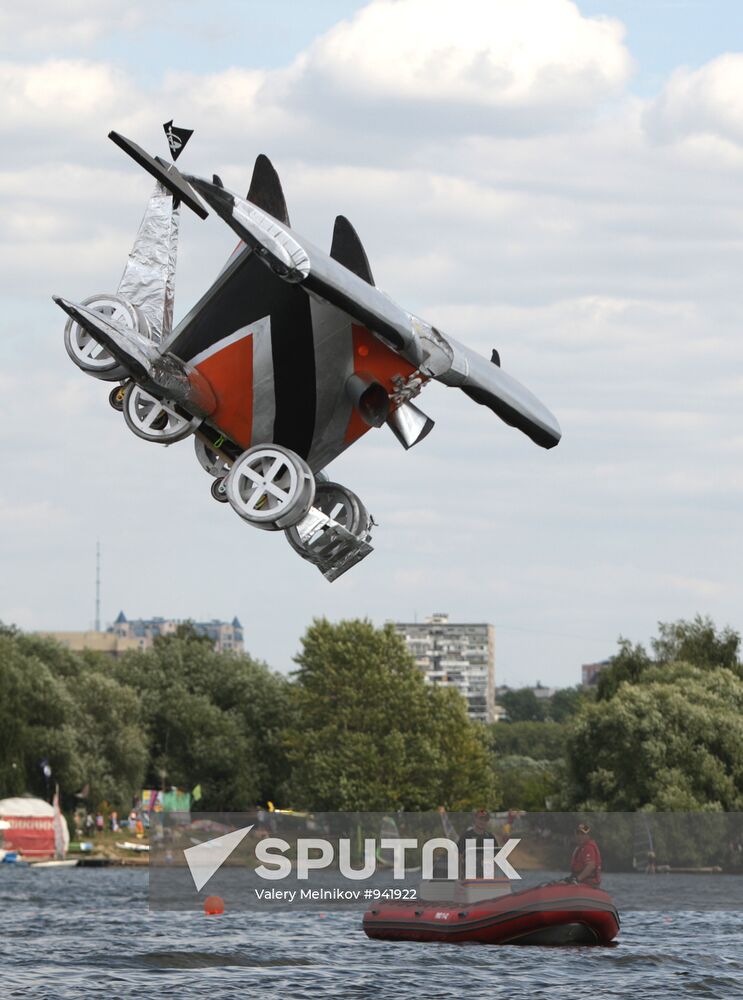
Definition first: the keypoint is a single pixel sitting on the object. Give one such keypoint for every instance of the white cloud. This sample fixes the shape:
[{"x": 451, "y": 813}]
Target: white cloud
[
  {"x": 706, "y": 103},
  {"x": 231, "y": 93},
  {"x": 58, "y": 110},
  {"x": 41, "y": 94},
  {"x": 696, "y": 588},
  {"x": 527, "y": 59},
  {"x": 36, "y": 25}
]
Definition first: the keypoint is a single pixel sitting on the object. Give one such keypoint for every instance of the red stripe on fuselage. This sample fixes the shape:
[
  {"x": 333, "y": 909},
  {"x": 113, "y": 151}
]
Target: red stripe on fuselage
[
  {"x": 230, "y": 374},
  {"x": 374, "y": 358}
]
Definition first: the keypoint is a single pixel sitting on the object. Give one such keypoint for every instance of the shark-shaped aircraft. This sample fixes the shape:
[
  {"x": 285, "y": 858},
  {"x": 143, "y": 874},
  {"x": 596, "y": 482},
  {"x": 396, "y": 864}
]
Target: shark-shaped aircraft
[{"x": 291, "y": 356}]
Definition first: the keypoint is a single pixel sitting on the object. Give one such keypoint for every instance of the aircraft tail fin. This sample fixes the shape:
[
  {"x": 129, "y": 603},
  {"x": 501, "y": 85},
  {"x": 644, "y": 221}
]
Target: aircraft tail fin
[
  {"x": 166, "y": 173},
  {"x": 266, "y": 191},
  {"x": 348, "y": 249},
  {"x": 148, "y": 281}
]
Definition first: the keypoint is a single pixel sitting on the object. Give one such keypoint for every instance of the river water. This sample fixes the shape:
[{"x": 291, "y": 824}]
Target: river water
[{"x": 88, "y": 933}]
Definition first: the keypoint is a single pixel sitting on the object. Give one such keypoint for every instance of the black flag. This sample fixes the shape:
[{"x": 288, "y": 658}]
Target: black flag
[{"x": 177, "y": 138}]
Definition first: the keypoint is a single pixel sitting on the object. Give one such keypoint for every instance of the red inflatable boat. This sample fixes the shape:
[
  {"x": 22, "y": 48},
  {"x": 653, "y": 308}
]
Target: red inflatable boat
[{"x": 549, "y": 914}]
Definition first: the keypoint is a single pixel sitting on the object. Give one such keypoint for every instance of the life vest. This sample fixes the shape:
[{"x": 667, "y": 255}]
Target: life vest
[{"x": 583, "y": 855}]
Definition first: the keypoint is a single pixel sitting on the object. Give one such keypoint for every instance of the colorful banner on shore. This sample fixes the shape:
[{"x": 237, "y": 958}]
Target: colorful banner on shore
[
  {"x": 151, "y": 800},
  {"x": 176, "y": 800}
]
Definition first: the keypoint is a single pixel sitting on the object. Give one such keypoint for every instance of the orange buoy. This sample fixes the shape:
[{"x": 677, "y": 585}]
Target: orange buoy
[{"x": 213, "y": 905}]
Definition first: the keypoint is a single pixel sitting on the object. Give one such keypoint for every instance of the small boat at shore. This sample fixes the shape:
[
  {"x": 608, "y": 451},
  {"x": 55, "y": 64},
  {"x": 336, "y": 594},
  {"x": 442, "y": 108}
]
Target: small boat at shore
[
  {"x": 12, "y": 858},
  {"x": 554, "y": 914},
  {"x": 59, "y": 863},
  {"x": 668, "y": 870}
]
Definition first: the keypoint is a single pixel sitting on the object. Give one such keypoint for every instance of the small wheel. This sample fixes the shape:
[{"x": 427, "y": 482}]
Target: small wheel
[
  {"x": 155, "y": 419},
  {"x": 340, "y": 504},
  {"x": 219, "y": 490},
  {"x": 116, "y": 397},
  {"x": 343, "y": 506},
  {"x": 271, "y": 487},
  {"x": 86, "y": 352},
  {"x": 210, "y": 460}
]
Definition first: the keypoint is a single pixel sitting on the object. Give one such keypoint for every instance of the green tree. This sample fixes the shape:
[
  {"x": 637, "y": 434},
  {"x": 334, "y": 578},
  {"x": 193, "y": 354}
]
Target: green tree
[
  {"x": 111, "y": 748},
  {"x": 538, "y": 740},
  {"x": 369, "y": 734},
  {"x": 186, "y": 630},
  {"x": 566, "y": 703},
  {"x": 209, "y": 718},
  {"x": 62, "y": 707},
  {"x": 36, "y": 716},
  {"x": 457, "y": 760},
  {"x": 528, "y": 784},
  {"x": 522, "y": 705},
  {"x": 697, "y": 642},
  {"x": 628, "y": 665},
  {"x": 672, "y": 740}
]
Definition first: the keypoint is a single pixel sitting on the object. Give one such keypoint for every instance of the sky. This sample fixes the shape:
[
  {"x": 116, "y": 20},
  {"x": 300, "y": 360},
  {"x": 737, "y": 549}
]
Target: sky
[{"x": 562, "y": 181}]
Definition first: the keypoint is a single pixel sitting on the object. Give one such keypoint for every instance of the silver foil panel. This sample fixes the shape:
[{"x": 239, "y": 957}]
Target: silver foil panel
[
  {"x": 148, "y": 280},
  {"x": 328, "y": 545}
]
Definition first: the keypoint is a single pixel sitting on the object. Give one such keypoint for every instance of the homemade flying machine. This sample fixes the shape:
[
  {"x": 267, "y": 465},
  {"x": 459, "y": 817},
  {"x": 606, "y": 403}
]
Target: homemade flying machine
[{"x": 289, "y": 357}]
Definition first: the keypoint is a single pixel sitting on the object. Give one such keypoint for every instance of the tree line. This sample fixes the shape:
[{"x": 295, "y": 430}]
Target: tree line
[
  {"x": 355, "y": 727},
  {"x": 662, "y": 730}
]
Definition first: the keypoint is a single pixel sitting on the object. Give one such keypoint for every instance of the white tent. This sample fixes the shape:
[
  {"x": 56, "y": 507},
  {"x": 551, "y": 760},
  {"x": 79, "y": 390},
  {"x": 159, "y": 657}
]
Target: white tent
[{"x": 30, "y": 826}]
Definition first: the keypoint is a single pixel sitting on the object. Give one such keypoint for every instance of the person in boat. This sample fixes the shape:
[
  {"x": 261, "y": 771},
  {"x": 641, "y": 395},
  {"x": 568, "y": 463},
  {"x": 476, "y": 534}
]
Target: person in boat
[
  {"x": 477, "y": 832},
  {"x": 585, "y": 864}
]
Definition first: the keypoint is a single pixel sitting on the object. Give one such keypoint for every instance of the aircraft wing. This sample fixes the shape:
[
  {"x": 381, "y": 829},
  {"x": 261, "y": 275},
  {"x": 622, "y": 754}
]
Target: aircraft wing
[
  {"x": 486, "y": 383},
  {"x": 436, "y": 355}
]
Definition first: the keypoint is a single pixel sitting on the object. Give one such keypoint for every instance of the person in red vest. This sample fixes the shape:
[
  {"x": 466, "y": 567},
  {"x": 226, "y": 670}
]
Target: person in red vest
[{"x": 585, "y": 864}]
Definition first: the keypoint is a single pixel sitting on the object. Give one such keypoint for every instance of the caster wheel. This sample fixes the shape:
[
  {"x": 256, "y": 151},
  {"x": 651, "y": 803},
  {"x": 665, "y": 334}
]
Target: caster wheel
[
  {"x": 116, "y": 397},
  {"x": 271, "y": 487},
  {"x": 210, "y": 460},
  {"x": 90, "y": 356},
  {"x": 219, "y": 491},
  {"x": 340, "y": 504},
  {"x": 155, "y": 419}
]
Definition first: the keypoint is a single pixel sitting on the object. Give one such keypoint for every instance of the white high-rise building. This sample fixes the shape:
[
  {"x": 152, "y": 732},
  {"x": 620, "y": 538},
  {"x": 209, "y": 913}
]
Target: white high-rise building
[{"x": 456, "y": 654}]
